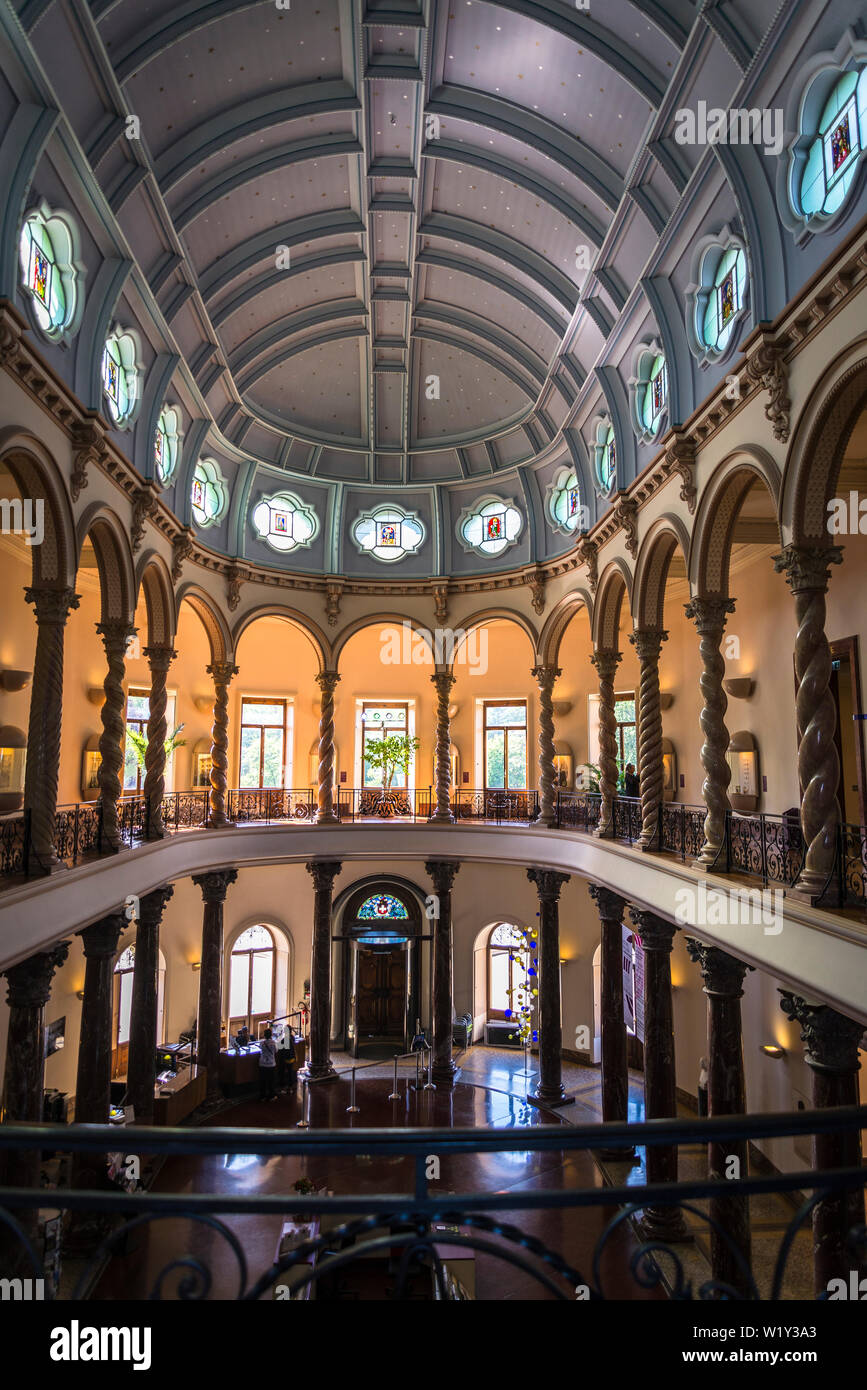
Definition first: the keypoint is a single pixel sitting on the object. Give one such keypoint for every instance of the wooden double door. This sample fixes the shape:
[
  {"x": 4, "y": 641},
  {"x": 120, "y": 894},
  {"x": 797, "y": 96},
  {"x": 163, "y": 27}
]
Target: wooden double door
[{"x": 381, "y": 994}]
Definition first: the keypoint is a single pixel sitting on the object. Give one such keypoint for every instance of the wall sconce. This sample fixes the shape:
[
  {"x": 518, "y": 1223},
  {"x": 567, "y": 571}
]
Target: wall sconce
[
  {"x": 739, "y": 687},
  {"x": 96, "y": 695},
  {"x": 561, "y": 707},
  {"x": 772, "y": 1050},
  {"x": 79, "y": 994},
  {"x": 195, "y": 965},
  {"x": 666, "y": 699},
  {"x": 204, "y": 703},
  {"x": 14, "y": 680}
]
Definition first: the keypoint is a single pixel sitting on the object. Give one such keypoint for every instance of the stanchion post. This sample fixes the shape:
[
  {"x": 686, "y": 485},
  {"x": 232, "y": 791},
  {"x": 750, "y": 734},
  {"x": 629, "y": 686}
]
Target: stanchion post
[
  {"x": 304, "y": 1122},
  {"x": 352, "y": 1108},
  {"x": 395, "y": 1094}
]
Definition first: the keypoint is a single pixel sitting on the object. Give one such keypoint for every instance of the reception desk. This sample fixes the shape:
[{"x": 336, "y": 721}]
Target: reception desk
[
  {"x": 182, "y": 1094},
  {"x": 239, "y": 1071}
]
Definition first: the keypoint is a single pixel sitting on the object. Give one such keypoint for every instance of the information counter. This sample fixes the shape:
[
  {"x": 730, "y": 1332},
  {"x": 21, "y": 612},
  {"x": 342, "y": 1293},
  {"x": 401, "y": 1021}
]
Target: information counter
[{"x": 178, "y": 1096}]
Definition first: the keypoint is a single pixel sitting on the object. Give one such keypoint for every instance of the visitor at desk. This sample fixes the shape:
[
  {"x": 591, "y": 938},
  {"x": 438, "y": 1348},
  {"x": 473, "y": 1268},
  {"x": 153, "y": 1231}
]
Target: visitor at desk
[
  {"x": 267, "y": 1066},
  {"x": 242, "y": 1037},
  {"x": 286, "y": 1075}
]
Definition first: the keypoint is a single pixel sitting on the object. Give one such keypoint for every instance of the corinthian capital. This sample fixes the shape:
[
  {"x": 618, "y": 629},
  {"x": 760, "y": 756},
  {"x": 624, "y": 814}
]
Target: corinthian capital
[
  {"x": 647, "y": 642},
  {"x": 327, "y": 681},
  {"x": 222, "y": 672},
  {"x": 709, "y": 614},
  {"x": 545, "y": 676},
  {"x": 808, "y": 566}
]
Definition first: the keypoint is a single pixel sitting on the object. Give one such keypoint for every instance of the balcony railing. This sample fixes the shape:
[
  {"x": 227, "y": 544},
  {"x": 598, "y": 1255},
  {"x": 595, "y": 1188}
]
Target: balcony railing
[{"x": 405, "y": 1219}]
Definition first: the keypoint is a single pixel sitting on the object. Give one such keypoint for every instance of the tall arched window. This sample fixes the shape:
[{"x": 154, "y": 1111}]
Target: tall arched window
[
  {"x": 123, "y": 978},
  {"x": 507, "y": 959},
  {"x": 251, "y": 979}
]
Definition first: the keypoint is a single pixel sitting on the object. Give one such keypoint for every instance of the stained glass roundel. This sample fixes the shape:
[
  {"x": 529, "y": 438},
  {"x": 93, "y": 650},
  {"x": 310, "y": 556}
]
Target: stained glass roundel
[{"x": 382, "y": 906}]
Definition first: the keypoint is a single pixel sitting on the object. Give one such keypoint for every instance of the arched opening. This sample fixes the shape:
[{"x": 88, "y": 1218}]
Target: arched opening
[
  {"x": 381, "y": 968},
  {"x": 124, "y": 971},
  {"x": 503, "y": 970},
  {"x": 252, "y": 979},
  {"x": 494, "y": 724}
]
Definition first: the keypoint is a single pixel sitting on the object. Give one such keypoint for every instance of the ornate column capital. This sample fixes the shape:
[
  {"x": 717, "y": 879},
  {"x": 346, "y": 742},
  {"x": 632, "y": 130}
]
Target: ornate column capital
[
  {"x": 159, "y": 657},
  {"x": 153, "y": 904},
  {"x": 327, "y": 681},
  {"x": 323, "y": 872},
  {"x": 100, "y": 938},
  {"x": 442, "y": 872},
  {"x": 548, "y": 883},
  {"x": 215, "y": 884},
  {"x": 28, "y": 983},
  {"x": 222, "y": 672},
  {"x": 648, "y": 641},
  {"x": 722, "y": 974},
  {"x": 53, "y": 605},
  {"x": 545, "y": 676},
  {"x": 610, "y": 904},
  {"x": 606, "y": 663},
  {"x": 443, "y": 680},
  {"x": 808, "y": 566},
  {"x": 830, "y": 1039},
  {"x": 709, "y": 614},
  {"x": 115, "y": 634},
  {"x": 656, "y": 933}
]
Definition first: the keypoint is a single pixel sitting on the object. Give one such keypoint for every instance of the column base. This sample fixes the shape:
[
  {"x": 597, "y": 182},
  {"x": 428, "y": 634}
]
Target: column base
[
  {"x": 554, "y": 1102},
  {"x": 664, "y": 1224},
  {"x": 545, "y": 822},
  {"x": 326, "y": 818},
  {"x": 224, "y": 824},
  {"x": 444, "y": 1078},
  {"x": 317, "y": 1071},
  {"x": 818, "y": 890},
  {"x": 437, "y": 819}
]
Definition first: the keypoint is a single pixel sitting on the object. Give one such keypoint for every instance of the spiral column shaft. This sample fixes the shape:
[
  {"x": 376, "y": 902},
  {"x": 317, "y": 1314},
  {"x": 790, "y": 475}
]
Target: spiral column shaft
[
  {"x": 115, "y": 634},
  {"x": 807, "y": 572},
  {"x": 545, "y": 676},
  {"x": 53, "y": 607},
  {"x": 709, "y": 615},
  {"x": 325, "y": 815},
  {"x": 159, "y": 660},
  {"x": 606, "y": 665},
  {"x": 443, "y": 680},
  {"x": 222, "y": 672},
  {"x": 648, "y": 644}
]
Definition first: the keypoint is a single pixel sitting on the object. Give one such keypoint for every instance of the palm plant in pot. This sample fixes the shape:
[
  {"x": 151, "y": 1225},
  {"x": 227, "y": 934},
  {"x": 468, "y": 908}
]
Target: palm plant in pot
[{"x": 386, "y": 755}]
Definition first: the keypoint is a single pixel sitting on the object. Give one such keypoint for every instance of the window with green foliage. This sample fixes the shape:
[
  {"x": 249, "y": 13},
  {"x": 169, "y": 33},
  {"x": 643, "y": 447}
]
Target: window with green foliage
[
  {"x": 382, "y": 721},
  {"x": 505, "y": 745},
  {"x": 627, "y": 736},
  {"x": 264, "y": 728}
]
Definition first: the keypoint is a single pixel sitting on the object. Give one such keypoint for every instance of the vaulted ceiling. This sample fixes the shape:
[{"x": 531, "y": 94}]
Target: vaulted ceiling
[{"x": 381, "y": 204}]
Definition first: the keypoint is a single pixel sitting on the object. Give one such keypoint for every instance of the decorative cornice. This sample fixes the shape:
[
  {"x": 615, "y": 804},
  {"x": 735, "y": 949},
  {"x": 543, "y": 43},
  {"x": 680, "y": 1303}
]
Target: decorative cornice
[
  {"x": 680, "y": 454},
  {"x": 183, "y": 546},
  {"x": 90, "y": 449},
  {"x": 766, "y": 365},
  {"x": 333, "y": 594},
  {"x": 536, "y": 584},
  {"x": 441, "y": 602},
  {"x": 625, "y": 512},
  {"x": 145, "y": 500}
]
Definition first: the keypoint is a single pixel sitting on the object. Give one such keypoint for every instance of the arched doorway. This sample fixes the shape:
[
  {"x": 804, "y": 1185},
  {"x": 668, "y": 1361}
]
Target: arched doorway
[
  {"x": 381, "y": 931},
  {"x": 124, "y": 971},
  {"x": 252, "y": 979}
]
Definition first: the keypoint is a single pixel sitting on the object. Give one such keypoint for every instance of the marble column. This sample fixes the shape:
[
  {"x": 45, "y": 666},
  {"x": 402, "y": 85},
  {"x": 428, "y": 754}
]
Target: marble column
[
  {"x": 660, "y": 1091},
  {"x": 214, "y": 885},
  {"x": 143, "y": 1017},
  {"x": 160, "y": 659},
  {"x": 326, "y": 814},
  {"x": 807, "y": 572},
  {"x": 318, "y": 1065},
  {"x": 606, "y": 663},
  {"x": 115, "y": 635},
  {"x": 648, "y": 644},
  {"x": 709, "y": 615},
  {"x": 831, "y": 1052},
  {"x": 443, "y": 1070},
  {"x": 723, "y": 977},
  {"x": 93, "y": 1078},
  {"x": 545, "y": 676},
  {"x": 550, "y": 1090},
  {"x": 28, "y": 991},
  {"x": 443, "y": 680},
  {"x": 222, "y": 672},
  {"x": 53, "y": 606},
  {"x": 615, "y": 1067}
]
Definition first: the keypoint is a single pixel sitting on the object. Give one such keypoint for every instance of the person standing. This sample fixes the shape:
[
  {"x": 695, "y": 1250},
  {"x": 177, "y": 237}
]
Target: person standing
[
  {"x": 630, "y": 781},
  {"x": 267, "y": 1066}
]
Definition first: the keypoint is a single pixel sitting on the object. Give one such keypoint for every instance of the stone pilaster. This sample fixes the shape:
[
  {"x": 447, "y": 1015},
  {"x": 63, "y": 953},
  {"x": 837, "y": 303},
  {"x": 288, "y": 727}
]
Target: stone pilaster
[
  {"x": 807, "y": 572},
  {"x": 709, "y": 615},
  {"x": 723, "y": 977},
  {"x": 214, "y": 885},
  {"x": 550, "y": 1090},
  {"x": 443, "y": 1071},
  {"x": 326, "y": 815},
  {"x": 615, "y": 1067},
  {"x": 648, "y": 644},
  {"x": 222, "y": 673},
  {"x": 660, "y": 1091},
  {"x": 606, "y": 663},
  {"x": 143, "y": 1017},
  {"x": 545, "y": 676},
  {"x": 318, "y": 1065},
  {"x": 115, "y": 635},
  {"x": 831, "y": 1052},
  {"x": 53, "y": 606},
  {"x": 159, "y": 660},
  {"x": 443, "y": 680}
]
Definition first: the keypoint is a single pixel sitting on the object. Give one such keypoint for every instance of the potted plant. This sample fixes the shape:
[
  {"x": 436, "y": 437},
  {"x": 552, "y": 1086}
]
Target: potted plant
[
  {"x": 139, "y": 743},
  {"x": 386, "y": 755}
]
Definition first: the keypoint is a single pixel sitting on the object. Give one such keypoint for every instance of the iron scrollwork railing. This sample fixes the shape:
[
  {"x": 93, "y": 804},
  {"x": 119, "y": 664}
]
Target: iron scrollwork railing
[{"x": 406, "y": 1221}]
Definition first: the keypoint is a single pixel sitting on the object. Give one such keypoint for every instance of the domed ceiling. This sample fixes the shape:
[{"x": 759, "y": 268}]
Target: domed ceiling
[{"x": 390, "y": 213}]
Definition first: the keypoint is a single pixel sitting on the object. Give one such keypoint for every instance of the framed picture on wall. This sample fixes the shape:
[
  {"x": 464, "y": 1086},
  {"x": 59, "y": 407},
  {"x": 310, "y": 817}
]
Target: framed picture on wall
[{"x": 202, "y": 769}]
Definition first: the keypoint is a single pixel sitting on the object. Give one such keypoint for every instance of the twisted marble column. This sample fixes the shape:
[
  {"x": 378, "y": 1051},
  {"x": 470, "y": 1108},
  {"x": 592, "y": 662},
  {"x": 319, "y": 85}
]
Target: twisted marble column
[
  {"x": 443, "y": 1069},
  {"x": 159, "y": 660},
  {"x": 723, "y": 977},
  {"x": 214, "y": 886},
  {"x": 326, "y": 815},
  {"x": 545, "y": 676},
  {"x": 606, "y": 663},
  {"x": 550, "y": 1090},
  {"x": 807, "y": 572},
  {"x": 648, "y": 644},
  {"x": 831, "y": 1052},
  {"x": 53, "y": 606},
  {"x": 709, "y": 615},
  {"x": 615, "y": 1064},
  {"x": 115, "y": 635},
  {"x": 443, "y": 680},
  {"x": 143, "y": 1014},
  {"x": 319, "y": 1066},
  {"x": 222, "y": 672}
]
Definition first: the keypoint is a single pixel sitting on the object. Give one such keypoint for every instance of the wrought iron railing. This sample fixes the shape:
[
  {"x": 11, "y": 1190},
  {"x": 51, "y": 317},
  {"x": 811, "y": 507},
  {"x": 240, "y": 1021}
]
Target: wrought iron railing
[
  {"x": 406, "y": 1219},
  {"x": 267, "y": 805}
]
